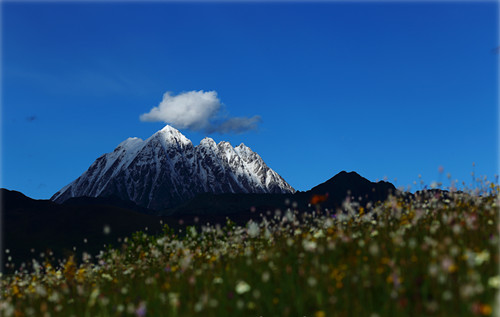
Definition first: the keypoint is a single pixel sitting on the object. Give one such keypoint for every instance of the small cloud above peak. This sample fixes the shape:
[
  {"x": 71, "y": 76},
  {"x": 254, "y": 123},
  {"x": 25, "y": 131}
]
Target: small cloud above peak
[
  {"x": 198, "y": 111},
  {"x": 189, "y": 110}
]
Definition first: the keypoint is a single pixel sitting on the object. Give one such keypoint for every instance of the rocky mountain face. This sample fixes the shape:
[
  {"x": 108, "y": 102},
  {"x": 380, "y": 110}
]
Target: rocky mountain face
[{"x": 166, "y": 170}]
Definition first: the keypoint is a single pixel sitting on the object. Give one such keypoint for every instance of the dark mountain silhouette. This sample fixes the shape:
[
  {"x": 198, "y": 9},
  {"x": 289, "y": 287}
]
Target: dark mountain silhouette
[
  {"x": 353, "y": 186},
  {"x": 42, "y": 224}
]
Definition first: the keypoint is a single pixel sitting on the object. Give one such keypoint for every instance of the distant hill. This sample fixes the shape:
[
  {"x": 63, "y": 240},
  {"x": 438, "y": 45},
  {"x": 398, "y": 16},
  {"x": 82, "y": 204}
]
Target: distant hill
[{"x": 354, "y": 186}]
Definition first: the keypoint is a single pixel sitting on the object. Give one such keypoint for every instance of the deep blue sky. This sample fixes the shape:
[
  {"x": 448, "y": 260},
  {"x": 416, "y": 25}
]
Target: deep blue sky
[{"x": 385, "y": 89}]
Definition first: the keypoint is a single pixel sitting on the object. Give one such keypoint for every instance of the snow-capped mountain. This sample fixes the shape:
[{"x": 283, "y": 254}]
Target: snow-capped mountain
[{"x": 166, "y": 169}]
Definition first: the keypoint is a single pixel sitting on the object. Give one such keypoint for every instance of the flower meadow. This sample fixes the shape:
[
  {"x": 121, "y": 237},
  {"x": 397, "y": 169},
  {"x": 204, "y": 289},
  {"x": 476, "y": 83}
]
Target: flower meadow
[{"x": 432, "y": 254}]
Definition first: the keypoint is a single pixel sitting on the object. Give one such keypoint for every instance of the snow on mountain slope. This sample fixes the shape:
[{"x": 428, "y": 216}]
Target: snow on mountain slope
[{"x": 166, "y": 170}]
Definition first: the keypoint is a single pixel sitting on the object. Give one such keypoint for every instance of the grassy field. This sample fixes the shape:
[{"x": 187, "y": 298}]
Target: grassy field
[{"x": 431, "y": 255}]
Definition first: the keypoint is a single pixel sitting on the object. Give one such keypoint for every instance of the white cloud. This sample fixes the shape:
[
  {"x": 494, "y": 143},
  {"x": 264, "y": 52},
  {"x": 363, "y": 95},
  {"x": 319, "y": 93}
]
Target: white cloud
[
  {"x": 188, "y": 110},
  {"x": 198, "y": 111}
]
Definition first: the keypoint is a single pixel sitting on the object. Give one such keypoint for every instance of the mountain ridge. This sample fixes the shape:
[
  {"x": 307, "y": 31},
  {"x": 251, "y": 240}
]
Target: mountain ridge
[{"x": 166, "y": 169}]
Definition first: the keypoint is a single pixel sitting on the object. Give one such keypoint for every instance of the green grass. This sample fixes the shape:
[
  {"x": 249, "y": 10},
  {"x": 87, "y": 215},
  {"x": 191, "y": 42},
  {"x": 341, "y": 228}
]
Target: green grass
[{"x": 431, "y": 256}]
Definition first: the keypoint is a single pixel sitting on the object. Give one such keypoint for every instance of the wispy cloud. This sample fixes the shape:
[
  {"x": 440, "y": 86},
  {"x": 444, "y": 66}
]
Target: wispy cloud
[
  {"x": 198, "y": 111},
  {"x": 236, "y": 125},
  {"x": 74, "y": 80}
]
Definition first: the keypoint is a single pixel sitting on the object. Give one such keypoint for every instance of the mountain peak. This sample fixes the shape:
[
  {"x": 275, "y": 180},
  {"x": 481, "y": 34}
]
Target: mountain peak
[
  {"x": 207, "y": 140},
  {"x": 224, "y": 144},
  {"x": 344, "y": 174},
  {"x": 166, "y": 170},
  {"x": 170, "y": 129},
  {"x": 130, "y": 143},
  {"x": 170, "y": 135},
  {"x": 352, "y": 184},
  {"x": 242, "y": 146}
]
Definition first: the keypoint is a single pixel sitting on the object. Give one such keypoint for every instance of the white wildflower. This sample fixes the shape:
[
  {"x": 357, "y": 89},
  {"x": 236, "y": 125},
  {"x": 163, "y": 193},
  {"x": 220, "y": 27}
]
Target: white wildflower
[
  {"x": 309, "y": 245},
  {"x": 242, "y": 287},
  {"x": 253, "y": 229}
]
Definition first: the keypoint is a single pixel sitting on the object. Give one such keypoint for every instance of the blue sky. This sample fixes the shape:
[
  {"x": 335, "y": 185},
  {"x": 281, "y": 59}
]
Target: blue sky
[{"x": 385, "y": 89}]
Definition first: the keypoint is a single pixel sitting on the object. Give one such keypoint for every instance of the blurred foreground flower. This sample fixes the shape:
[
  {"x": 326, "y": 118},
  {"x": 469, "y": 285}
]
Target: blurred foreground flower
[{"x": 242, "y": 287}]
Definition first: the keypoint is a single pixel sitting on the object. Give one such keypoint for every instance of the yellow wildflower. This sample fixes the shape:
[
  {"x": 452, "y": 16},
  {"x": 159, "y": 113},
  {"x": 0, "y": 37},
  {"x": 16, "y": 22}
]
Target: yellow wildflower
[
  {"x": 486, "y": 310},
  {"x": 319, "y": 313},
  {"x": 69, "y": 269},
  {"x": 80, "y": 275},
  {"x": 453, "y": 268},
  {"x": 15, "y": 290}
]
